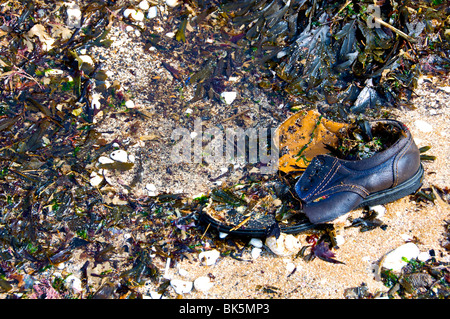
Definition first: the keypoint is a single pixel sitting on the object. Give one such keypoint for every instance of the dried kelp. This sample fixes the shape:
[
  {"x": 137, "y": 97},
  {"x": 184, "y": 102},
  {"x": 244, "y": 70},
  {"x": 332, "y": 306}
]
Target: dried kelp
[{"x": 355, "y": 56}]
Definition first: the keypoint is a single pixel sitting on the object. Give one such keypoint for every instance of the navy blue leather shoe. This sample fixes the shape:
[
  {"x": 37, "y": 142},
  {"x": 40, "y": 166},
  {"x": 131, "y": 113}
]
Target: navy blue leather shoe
[{"x": 331, "y": 187}]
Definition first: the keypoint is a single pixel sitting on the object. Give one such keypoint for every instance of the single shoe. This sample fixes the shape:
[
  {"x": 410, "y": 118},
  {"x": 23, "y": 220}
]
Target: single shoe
[{"x": 331, "y": 187}]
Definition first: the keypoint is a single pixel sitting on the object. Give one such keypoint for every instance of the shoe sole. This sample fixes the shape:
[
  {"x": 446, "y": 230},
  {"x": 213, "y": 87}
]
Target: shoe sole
[
  {"x": 392, "y": 194},
  {"x": 379, "y": 198}
]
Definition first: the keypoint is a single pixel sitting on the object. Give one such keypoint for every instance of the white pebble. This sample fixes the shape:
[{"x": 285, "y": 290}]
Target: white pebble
[
  {"x": 340, "y": 240},
  {"x": 181, "y": 286},
  {"x": 95, "y": 179},
  {"x": 73, "y": 15},
  {"x": 256, "y": 242},
  {"x": 86, "y": 59},
  {"x": 73, "y": 283},
  {"x": 131, "y": 158},
  {"x": 379, "y": 209},
  {"x": 182, "y": 272},
  {"x": 128, "y": 12},
  {"x": 228, "y": 97},
  {"x": 152, "y": 12},
  {"x": 119, "y": 156},
  {"x": 222, "y": 235},
  {"x": 105, "y": 160},
  {"x": 256, "y": 252},
  {"x": 395, "y": 259},
  {"x": 423, "y": 126},
  {"x": 290, "y": 267},
  {"x": 143, "y": 5},
  {"x": 129, "y": 104},
  {"x": 210, "y": 256},
  {"x": 172, "y": 3},
  {"x": 203, "y": 284},
  {"x": 151, "y": 189}
]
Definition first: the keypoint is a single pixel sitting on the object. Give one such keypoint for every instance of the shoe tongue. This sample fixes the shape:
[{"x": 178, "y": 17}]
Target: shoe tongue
[{"x": 316, "y": 176}]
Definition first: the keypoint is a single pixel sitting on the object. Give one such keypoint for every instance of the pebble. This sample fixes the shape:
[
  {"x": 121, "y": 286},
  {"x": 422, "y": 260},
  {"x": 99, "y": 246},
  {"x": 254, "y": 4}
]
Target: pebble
[
  {"x": 172, "y": 3},
  {"x": 74, "y": 283},
  {"x": 222, "y": 235},
  {"x": 86, "y": 59},
  {"x": 129, "y": 104},
  {"x": 152, "y": 12},
  {"x": 423, "y": 126},
  {"x": 151, "y": 189},
  {"x": 105, "y": 160},
  {"x": 181, "y": 286},
  {"x": 256, "y": 252},
  {"x": 203, "y": 284},
  {"x": 228, "y": 97},
  {"x": 256, "y": 242},
  {"x": 136, "y": 15},
  {"x": 379, "y": 209},
  {"x": 394, "y": 259},
  {"x": 73, "y": 15},
  {"x": 119, "y": 156},
  {"x": 143, "y": 5},
  {"x": 95, "y": 179},
  {"x": 210, "y": 256},
  {"x": 285, "y": 245}
]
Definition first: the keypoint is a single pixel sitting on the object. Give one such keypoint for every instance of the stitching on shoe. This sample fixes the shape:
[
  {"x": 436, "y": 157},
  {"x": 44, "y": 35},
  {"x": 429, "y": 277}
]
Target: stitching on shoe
[
  {"x": 362, "y": 189},
  {"x": 325, "y": 179},
  {"x": 365, "y": 191},
  {"x": 397, "y": 160}
]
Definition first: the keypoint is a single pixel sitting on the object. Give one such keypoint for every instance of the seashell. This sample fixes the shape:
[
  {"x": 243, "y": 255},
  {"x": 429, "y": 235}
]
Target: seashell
[
  {"x": 181, "y": 286},
  {"x": 203, "y": 284},
  {"x": 210, "y": 256},
  {"x": 285, "y": 245},
  {"x": 394, "y": 260}
]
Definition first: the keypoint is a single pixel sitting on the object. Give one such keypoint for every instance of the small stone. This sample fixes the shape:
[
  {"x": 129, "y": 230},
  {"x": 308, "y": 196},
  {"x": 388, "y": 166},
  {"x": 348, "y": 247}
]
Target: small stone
[
  {"x": 228, "y": 97},
  {"x": 73, "y": 15},
  {"x": 181, "y": 286},
  {"x": 128, "y": 12},
  {"x": 74, "y": 283},
  {"x": 222, "y": 235},
  {"x": 105, "y": 160},
  {"x": 95, "y": 179},
  {"x": 290, "y": 267},
  {"x": 256, "y": 252},
  {"x": 379, "y": 209},
  {"x": 151, "y": 189},
  {"x": 144, "y": 5},
  {"x": 152, "y": 12},
  {"x": 86, "y": 59},
  {"x": 256, "y": 242},
  {"x": 203, "y": 284},
  {"x": 172, "y": 3},
  {"x": 129, "y": 104},
  {"x": 210, "y": 256},
  {"x": 394, "y": 260},
  {"x": 119, "y": 156},
  {"x": 137, "y": 15},
  {"x": 423, "y": 126}
]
